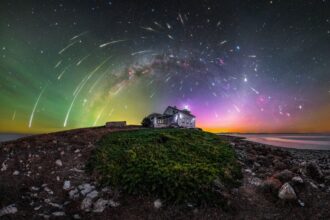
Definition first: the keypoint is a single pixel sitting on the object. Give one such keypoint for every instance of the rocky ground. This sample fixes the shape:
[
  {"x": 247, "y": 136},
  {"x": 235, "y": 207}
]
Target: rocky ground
[{"x": 43, "y": 177}]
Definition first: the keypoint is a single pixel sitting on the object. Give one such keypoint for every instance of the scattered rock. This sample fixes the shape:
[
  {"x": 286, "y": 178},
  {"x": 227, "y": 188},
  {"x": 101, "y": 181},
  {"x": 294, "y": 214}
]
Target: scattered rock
[
  {"x": 44, "y": 216},
  {"x": 327, "y": 179},
  {"x": 157, "y": 203},
  {"x": 106, "y": 189},
  {"x": 271, "y": 185},
  {"x": 58, "y": 163},
  {"x": 53, "y": 204},
  {"x": 297, "y": 180},
  {"x": 67, "y": 185},
  {"x": 74, "y": 193},
  {"x": 86, "y": 204},
  {"x": 4, "y": 167},
  {"x": 100, "y": 205},
  {"x": 113, "y": 203},
  {"x": 16, "y": 172},
  {"x": 11, "y": 209},
  {"x": 287, "y": 192},
  {"x": 37, "y": 208},
  {"x": 58, "y": 213},
  {"x": 92, "y": 194},
  {"x": 256, "y": 164},
  {"x": 76, "y": 216},
  {"x": 301, "y": 203},
  {"x": 85, "y": 188},
  {"x": 314, "y": 171},
  {"x": 255, "y": 181},
  {"x": 49, "y": 191},
  {"x": 76, "y": 170},
  {"x": 313, "y": 185},
  {"x": 284, "y": 175},
  {"x": 34, "y": 188},
  {"x": 217, "y": 183},
  {"x": 279, "y": 165},
  {"x": 248, "y": 170}
]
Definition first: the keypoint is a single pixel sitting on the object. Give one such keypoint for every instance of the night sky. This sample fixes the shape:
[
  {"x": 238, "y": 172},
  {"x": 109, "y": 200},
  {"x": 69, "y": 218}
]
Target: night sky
[{"x": 239, "y": 66}]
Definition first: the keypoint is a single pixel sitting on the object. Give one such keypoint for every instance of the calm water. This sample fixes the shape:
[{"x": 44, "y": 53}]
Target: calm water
[
  {"x": 300, "y": 141},
  {"x": 8, "y": 137}
]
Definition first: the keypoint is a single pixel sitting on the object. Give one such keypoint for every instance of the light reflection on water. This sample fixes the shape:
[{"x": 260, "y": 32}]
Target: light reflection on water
[{"x": 301, "y": 141}]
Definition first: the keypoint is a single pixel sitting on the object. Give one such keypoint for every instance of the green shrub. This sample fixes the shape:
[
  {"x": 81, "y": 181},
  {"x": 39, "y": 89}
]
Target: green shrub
[
  {"x": 177, "y": 165},
  {"x": 146, "y": 122}
]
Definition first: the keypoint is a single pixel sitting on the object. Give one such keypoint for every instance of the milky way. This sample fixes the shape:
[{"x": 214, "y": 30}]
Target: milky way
[{"x": 246, "y": 66}]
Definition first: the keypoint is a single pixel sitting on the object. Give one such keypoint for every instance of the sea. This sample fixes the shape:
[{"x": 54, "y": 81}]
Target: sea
[
  {"x": 298, "y": 141},
  {"x": 11, "y": 136}
]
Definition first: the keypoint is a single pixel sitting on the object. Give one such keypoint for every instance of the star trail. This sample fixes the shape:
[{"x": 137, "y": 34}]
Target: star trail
[{"x": 239, "y": 66}]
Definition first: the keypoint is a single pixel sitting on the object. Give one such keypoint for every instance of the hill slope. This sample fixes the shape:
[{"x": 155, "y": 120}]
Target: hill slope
[
  {"x": 44, "y": 177},
  {"x": 180, "y": 165}
]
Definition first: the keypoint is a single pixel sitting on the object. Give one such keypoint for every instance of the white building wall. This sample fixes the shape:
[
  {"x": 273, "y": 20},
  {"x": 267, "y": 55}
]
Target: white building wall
[
  {"x": 157, "y": 125},
  {"x": 186, "y": 121}
]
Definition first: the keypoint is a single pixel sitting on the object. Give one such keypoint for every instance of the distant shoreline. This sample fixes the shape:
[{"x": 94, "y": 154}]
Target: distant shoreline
[
  {"x": 11, "y": 136},
  {"x": 288, "y": 141}
]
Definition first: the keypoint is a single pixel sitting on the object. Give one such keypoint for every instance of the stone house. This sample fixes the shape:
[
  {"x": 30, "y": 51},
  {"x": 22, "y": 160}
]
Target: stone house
[{"x": 173, "y": 117}]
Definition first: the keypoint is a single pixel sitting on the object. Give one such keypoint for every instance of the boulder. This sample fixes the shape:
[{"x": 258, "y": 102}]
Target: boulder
[{"x": 286, "y": 192}]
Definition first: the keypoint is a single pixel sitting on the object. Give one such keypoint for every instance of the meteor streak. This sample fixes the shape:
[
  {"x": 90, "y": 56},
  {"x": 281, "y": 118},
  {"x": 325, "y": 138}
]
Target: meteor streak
[
  {"x": 14, "y": 116},
  {"x": 57, "y": 64},
  {"x": 149, "y": 29},
  {"x": 35, "y": 106},
  {"x": 79, "y": 88},
  {"x": 67, "y": 47},
  {"x": 141, "y": 52},
  {"x": 82, "y": 59},
  {"x": 79, "y": 35},
  {"x": 98, "y": 117},
  {"x": 111, "y": 42}
]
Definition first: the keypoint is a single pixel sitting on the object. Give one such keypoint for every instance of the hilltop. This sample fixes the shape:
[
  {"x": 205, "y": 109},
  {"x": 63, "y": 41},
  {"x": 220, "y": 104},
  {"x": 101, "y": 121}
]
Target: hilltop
[{"x": 104, "y": 173}]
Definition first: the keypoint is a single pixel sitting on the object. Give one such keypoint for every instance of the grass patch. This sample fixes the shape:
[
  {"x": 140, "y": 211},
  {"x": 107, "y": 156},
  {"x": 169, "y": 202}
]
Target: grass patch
[{"x": 178, "y": 165}]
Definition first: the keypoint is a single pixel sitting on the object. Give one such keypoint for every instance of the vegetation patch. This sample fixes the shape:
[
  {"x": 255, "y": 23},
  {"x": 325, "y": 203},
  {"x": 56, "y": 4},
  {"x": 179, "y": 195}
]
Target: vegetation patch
[{"x": 179, "y": 165}]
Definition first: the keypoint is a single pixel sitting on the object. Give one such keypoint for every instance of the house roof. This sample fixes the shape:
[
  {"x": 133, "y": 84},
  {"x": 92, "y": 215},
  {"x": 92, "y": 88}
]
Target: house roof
[
  {"x": 184, "y": 111},
  {"x": 157, "y": 115},
  {"x": 152, "y": 115}
]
